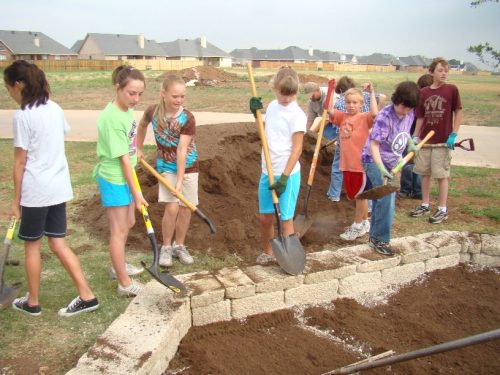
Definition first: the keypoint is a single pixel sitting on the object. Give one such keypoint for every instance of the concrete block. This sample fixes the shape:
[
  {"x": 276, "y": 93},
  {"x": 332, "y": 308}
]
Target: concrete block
[
  {"x": 355, "y": 285},
  {"x": 204, "y": 288},
  {"x": 490, "y": 244},
  {"x": 312, "y": 293},
  {"x": 442, "y": 262},
  {"x": 413, "y": 249},
  {"x": 272, "y": 278},
  {"x": 486, "y": 260},
  {"x": 260, "y": 303},
  {"x": 326, "y": 266},
  {"x": 346, "y": 253},
  {"x": 403, "y": 274},
  {"x": 465, "y": 258},
  {"x": 236, "y": 282},
  {"x": 372, "y": 265},
  {"x": 216, "y": 312},
  {"x": 329, "y": 275},
  {"x": 447, "y": 242}
]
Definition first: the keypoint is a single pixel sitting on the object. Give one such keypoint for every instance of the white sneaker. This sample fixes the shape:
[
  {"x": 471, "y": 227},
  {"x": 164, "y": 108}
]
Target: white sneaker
[
  {"x": 353, "y": 232},
  {"x": 130, "y": 291},
  {"x": 131, "y": 270},
  {"x": 366, "y": 226},
  {"x": 181, "y": 252},
  {"x": 165, "y": 256}
]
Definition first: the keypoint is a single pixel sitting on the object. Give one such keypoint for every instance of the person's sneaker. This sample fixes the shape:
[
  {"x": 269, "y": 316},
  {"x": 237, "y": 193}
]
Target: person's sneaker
[
  {"x": 130, "y": 291},
  {"x": 352, "y": 232},
  {"x": 419, "y": 211},
  {"x": 22, "y": 305},
  {"x": 264, "y": 259},
  {"x": 381, "y": 247},
  {"x": 402, "y": 194},
  {"x": 78, "y": 306},
  {"x": 131, "y": 270},
  {"x": 366, "y": 226},
  {"x": 165, "y": 256},
  {"x": 332, "y": 198},
  {"x": 438, "y": 217},
  {"x": 181, "y": 252}
]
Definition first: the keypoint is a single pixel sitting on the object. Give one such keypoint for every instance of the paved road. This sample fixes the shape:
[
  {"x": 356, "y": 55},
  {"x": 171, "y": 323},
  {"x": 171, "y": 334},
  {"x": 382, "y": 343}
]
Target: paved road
[{"x": 83, "y": 128}]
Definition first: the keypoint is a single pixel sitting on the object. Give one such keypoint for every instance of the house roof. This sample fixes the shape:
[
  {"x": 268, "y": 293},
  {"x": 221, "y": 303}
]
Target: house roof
[
  {"x": 415, "y": 60},
  {"x": 379, "y": 59},
  {"x": 77, "y": 45},
  {"x": 22, "y": 43},
  {"x": 121, "y": 44},
  {"x": 191, "y": 48}
]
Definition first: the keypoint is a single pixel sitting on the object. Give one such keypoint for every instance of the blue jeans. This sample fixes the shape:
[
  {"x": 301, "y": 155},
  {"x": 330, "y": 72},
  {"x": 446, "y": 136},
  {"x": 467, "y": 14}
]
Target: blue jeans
[
  {"x": 410, "y": 182},
  {"x": 337, "y": 177},
  {"x": 382, "y": 209}
]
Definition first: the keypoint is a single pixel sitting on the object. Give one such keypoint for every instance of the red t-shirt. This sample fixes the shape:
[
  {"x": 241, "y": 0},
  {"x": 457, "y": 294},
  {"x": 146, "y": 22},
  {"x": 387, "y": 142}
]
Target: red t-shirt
[{"x": 436, "y": 108}]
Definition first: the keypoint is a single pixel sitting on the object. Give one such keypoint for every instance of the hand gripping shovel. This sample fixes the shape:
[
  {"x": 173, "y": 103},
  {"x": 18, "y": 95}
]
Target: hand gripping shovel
[
  {"x": 303, "y": 222},
  {"x": 181, "y": 197},
  {"x": 288, "y": 250},
  {"x": 7, "y": 294},
  {"x": 386, "y": 189},
  {"x": 162, "y": 277}
]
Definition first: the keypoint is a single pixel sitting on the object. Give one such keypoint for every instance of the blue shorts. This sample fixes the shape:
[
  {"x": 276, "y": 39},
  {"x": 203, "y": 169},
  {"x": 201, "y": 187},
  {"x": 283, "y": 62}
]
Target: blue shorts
[
  {"x": 287, "y": 200},
  {"x": 39, "y": 221},
  {"x": 113, "y": 195}
]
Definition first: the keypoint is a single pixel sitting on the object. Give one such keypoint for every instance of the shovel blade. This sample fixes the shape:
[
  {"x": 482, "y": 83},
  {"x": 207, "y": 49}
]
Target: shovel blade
[
  {"x": 166, "y": 279},
  {"x": 378, "y": 192},
  {"x": 8, "y": 294},
  {"x": 289, "y": 253},
  {"x": 301, "y": 224}
]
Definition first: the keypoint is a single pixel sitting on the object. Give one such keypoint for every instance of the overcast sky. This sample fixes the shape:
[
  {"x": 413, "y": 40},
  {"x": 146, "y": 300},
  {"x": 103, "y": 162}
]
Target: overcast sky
[{"x": 399, "y": 27}]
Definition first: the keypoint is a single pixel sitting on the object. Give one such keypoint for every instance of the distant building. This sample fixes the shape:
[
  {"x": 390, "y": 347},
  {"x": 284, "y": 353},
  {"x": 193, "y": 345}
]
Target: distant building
[
  {"x": 291, "y": 54},
  {"x": 118, "y": 47},
  {"x": 31, "y": 45},
  {"x": 382, "y": 59},
  {"x": 197, "y": 49}
]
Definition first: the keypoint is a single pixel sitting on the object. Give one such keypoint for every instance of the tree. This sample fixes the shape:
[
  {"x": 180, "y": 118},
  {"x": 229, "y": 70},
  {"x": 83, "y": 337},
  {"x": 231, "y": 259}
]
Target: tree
[{"x": 485, "y": 52}]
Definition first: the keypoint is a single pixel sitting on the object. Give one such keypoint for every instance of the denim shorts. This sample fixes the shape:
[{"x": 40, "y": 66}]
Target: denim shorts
[
  {"x": 113, "y": 195},
  {"x": 287, "y": 200}
]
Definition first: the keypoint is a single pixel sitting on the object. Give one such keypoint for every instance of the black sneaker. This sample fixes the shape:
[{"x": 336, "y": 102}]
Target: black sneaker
[
  {"x": 381, "y": 247},
  {"x": 419, "y": 211},
  {"x": 78, "y": 306},
  {"x": 22, "y": 305},
  {"x": 438, "y": 217}
]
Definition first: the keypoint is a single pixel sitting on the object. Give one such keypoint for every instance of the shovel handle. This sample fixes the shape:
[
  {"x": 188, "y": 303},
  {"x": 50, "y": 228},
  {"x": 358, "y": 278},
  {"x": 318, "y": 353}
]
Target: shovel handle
[
  {"x": 144, "y": 210},
  {"x": 408, "y": 157},
  {"x": 10, "y": 230}
]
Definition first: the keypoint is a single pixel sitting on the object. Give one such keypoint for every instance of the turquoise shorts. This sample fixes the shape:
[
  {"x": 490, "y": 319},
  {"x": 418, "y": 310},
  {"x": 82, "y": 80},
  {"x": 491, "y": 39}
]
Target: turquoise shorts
[
  {"x": 113, "y": 195},
  {"x": 287, "y": 200}
]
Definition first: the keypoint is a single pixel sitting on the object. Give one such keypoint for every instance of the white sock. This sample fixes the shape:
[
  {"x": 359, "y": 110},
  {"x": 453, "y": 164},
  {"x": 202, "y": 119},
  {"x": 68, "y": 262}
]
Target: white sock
[
  {"x": 425, "y": 205},
  {"x": 444, "y": 209}
]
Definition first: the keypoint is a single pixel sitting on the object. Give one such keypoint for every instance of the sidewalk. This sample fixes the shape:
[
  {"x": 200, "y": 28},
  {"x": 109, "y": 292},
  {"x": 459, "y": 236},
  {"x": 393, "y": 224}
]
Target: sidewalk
[{"x": 83, "y": 128}]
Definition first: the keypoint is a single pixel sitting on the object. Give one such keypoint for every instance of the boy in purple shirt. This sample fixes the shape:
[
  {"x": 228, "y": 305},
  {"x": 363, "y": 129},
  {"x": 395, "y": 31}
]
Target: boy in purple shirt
[{"x": 389, "y": 138}]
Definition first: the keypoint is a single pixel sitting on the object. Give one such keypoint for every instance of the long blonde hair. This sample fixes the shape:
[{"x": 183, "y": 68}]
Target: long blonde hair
[{"x": 168, "y": 81}]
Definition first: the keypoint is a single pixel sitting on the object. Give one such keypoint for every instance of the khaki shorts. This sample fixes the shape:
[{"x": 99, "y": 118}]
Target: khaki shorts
[
  {"x": 189, "y": 189},
  {"x": 434, "y": 162}
]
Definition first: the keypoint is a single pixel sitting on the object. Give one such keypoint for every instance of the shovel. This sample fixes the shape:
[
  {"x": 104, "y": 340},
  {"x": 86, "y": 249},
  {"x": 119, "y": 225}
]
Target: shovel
[
  {"x": 7, "y": 294},
  {"x": 162, "y": 277},
  {"x": 467, "y": 147},
  {"x": 303, "y": 222},
  {"x": 386, "y": 189},
  {"x": 288, "y": 250},
  {"x": 181, "y": 197}
]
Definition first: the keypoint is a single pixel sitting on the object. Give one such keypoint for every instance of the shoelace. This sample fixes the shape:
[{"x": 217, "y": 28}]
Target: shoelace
[{"x": 73, "y": 303}]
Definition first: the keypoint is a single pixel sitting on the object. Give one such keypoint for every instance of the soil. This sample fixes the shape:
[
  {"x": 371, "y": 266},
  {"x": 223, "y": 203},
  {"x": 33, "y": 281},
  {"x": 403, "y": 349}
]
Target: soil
[
  {"x": 319, "y": 339},
  {"x": 206, "y": 75}
]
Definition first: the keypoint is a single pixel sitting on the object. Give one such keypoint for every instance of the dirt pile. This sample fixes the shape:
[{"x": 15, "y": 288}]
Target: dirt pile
[
  {"x": 204, "y": 75},
  {"x": 303, "y": 78}
]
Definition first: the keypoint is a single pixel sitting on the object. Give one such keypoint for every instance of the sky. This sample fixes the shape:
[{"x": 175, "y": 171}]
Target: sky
[{"x": 399, "y": 27}]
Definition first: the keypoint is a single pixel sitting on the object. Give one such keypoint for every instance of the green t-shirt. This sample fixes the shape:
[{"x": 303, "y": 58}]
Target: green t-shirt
[{"x": 117, "y": 136}]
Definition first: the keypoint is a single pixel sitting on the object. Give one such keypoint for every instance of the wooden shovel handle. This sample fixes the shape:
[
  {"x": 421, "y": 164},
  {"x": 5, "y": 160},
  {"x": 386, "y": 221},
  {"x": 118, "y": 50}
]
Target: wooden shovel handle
[
  {"x": 262, "y": 134},
  {"x": 408, "y": 157}
]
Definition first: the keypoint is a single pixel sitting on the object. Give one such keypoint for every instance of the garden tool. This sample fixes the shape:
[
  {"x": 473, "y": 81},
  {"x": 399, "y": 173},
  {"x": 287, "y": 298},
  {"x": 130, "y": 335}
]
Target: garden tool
[
  {"x": 468, "y": 147},
  {"x": 162, "y": 277},
  {"x": 7, "y": 294},
  {"x": 302, "y": 221},
  {"x": 288, "y": 250},
  {"x": 181, "y": 197},
  {"x": 386, "y": 189}
]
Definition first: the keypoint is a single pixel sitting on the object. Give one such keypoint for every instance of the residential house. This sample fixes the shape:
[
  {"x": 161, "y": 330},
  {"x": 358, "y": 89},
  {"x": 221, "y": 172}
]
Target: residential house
[
  {"x": 198, "y": 49},
  {"x": 290, "y": 54},
  {"x": 381, "y": 59},
  {"x": 415, "y": 61},
  {"x": 348, "y": 59},
  {"x": 118, "y": 47},
  {"x": 32, "y": 45}
]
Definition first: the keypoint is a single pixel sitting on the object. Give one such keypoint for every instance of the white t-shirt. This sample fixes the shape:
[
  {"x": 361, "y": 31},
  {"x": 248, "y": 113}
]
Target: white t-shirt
[
  {"x": 281, "y": 123},
  {"x": 40, "y": 131}
]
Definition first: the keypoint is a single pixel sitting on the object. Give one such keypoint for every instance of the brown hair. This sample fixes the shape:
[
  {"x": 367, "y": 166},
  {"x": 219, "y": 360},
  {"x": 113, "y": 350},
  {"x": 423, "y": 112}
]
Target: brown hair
[
  {"x": 425, "y": 80},
  {"x": 36, "y": 89},
  {"x": 124, "y": 73},
  {"x": 406, "y": 93},
  {"x": 286, "y": 81},
  {"x": 168, "y": 81},
  {"x": 437, "y": 60},
  {"x": 345, "y": 83}
]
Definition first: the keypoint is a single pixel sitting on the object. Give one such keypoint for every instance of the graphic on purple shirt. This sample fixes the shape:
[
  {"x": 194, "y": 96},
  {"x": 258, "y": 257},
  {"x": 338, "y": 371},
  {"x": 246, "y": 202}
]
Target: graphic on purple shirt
[{"x": 392, "y": 133}]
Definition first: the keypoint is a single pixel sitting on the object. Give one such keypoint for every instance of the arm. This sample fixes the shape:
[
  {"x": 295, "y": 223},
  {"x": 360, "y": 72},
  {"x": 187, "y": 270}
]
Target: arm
[
  {"x": 20, "y": 157},
  {"x": 418, "y": 127},
  {"x": 182, "y": 147},
  {"x": 142, "y": 131},
  {"x": 127, "y": 173},
  {"x": 297, "y": 140},
  {"x": 457, "y": 120},
  {"x": 377, "y": 159},
  {"x": 373, "y": 100},
  {"x": 381, "y": 101}
]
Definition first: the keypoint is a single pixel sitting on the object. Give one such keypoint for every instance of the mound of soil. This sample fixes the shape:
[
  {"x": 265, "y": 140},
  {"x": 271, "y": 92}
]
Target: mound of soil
[
  {"x": 206, "y": 75},
  {"x": 303, "y": 78},
  {"x": 446, "y": 305}
]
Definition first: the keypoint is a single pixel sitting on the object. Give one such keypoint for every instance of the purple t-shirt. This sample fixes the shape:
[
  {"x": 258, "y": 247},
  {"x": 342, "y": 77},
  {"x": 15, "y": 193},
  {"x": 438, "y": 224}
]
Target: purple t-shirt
[{"x": 392, "y": 133}]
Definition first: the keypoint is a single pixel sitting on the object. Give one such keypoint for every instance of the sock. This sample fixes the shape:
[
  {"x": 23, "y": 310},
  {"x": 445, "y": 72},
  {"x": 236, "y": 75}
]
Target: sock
[
  {"x": 444, "y": 209},
  {"x": 425, "y": 205}
]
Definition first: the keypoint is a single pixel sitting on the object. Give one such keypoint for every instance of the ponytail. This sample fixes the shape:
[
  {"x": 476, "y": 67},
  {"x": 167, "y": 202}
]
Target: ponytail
[{"x": 36, "y": 89}]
